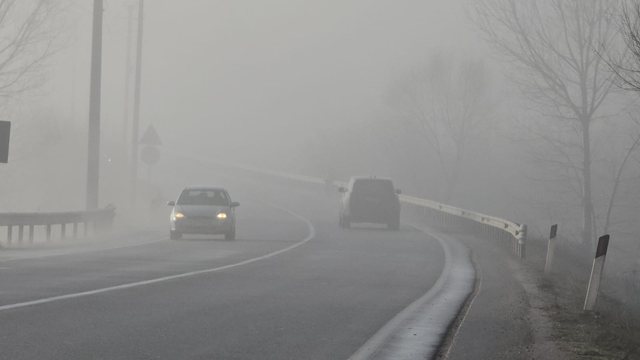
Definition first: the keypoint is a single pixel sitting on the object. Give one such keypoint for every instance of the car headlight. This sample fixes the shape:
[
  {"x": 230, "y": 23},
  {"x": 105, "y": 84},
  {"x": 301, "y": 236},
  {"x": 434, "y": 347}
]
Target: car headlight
[
  {"x": 179, "y": 215},
  {"x": 221, "y": 216}
]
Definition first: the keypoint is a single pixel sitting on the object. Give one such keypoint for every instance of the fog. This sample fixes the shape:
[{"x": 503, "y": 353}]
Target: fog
[
  {"x": 475, "y": 104},
  {"x": 251, "y": 82},
  {"x": 312, "y": 87},
  {"x": 318, "y": 88},
  {"x": 267, "y": 74}
]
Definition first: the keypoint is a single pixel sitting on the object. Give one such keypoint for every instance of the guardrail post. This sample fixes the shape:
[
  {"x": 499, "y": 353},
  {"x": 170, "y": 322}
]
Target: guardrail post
[
  {"x": 596, "y": 273},
  {"x": 20, "y": 233},
  {"x": 75, "y": 230},
  {"x": 63, "y": 231},
  {"x": 48, "y": 232},
  {"x": 522, "y": 237},
  {"x": 551, "y": 249},
  {"x": 85, "y": 228},
  {"x": 9, "y": 233},
  {"x": 31, "y": 231}
]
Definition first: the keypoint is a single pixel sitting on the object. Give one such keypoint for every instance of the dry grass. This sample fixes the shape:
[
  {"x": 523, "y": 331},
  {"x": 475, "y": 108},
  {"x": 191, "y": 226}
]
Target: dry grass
[{"x": 611, "y": 332}]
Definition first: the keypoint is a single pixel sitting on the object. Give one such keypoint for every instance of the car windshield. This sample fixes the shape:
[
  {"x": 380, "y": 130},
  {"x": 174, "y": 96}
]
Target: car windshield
[{"x": 204, "y": 197}]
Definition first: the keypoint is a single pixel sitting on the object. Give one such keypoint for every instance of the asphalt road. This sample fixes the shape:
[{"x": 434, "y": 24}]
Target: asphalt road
[{"x": 293, "y": 286}]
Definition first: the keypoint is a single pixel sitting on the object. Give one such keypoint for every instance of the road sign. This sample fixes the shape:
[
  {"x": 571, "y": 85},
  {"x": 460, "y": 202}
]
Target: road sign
[
  {"x": 150, "y": 155},
  {"x": 150, "y": 137},
  {"x": 5, "y": 131}
]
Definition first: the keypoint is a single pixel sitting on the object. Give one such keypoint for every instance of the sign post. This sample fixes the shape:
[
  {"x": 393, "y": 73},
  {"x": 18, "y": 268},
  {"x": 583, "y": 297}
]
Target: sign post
[{"x": 149, "y": 153}]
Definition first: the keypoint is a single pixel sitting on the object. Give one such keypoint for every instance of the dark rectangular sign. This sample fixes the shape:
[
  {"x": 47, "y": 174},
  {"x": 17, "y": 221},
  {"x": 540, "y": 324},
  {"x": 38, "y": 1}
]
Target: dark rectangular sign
[
  {"x": 5, "y": 131},
  {"x": 603, "y": 244},
  {"x": 554, "y": 231}
]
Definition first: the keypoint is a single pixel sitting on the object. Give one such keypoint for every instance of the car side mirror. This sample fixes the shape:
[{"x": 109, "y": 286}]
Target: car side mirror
[
  {"x": 234, "y": 204},
  {"x": 398, "y": 191},
  {"x": 342, "y": 189},
  {"x": 171, "y": 203}
]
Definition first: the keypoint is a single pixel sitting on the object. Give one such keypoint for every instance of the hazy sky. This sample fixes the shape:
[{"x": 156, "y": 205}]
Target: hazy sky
[{"x": 258, "y": 74}]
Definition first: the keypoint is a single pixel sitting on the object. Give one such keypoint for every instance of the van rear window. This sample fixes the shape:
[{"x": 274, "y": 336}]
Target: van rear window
[{"x": 370, "y": 187}]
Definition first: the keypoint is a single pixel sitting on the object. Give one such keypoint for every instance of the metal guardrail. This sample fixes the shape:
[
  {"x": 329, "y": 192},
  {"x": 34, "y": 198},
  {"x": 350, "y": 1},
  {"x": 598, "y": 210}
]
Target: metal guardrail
[
  {"x": 487, "y": 224},
  {"x": 97, "y": 220}
]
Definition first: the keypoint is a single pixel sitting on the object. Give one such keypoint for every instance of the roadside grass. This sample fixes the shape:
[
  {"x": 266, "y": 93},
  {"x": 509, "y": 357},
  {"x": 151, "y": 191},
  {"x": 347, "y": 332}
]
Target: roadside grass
[{"x": 610, "y": 332}]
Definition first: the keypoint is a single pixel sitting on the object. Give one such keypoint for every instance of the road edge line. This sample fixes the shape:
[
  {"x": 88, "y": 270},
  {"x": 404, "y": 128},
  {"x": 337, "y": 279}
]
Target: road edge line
[
  {"x": 417, "y": 331},
  {"x": 449, "y": 341}
]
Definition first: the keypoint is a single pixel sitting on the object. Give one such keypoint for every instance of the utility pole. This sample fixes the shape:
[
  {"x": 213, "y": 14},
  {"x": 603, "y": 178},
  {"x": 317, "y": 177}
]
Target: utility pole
[
  {"x": 127, "y": 82},
  {"x": 136, "y": 106},
  {"x": 93, "y": 160}
]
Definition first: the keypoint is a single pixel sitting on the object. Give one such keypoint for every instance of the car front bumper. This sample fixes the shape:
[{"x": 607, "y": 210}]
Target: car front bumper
[{"x": 206, "y": 226}]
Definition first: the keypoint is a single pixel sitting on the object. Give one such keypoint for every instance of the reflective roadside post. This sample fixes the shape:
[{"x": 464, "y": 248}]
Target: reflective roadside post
[
  {"x": 551, "y": 249},
  {"x": 5, "y": 134},
  {"x": 596, "y": 273}
]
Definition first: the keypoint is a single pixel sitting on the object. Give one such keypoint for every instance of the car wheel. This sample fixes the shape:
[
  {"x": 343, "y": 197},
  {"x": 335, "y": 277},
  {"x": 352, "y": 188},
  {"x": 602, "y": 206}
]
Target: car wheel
[
  {"x": 231, "y": 235},
  {"x": 174, "y": 235}
]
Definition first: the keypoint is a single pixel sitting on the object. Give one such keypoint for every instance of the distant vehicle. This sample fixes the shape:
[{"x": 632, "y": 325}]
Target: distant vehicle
[
  {"x": 370, "y": 200},
  {"x": 203, "y": 210}
]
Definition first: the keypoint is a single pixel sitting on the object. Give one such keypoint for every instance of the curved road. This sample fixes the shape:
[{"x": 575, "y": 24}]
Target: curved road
[{"x": 323, "y": 297}]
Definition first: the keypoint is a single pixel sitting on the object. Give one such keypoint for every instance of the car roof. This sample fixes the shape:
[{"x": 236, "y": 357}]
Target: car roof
[
  {"x": 204, "y": 188},
  {"x": 369, "y": 178}
]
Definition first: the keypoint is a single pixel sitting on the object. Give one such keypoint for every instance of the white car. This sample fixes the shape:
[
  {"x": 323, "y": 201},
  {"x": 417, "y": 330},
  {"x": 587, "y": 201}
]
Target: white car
[{"x": 203, "y": 210}]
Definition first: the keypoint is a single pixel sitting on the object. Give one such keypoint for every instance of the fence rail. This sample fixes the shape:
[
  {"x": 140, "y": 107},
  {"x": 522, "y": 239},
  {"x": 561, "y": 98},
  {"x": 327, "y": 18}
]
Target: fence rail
[{"x": 94, "y": 220}]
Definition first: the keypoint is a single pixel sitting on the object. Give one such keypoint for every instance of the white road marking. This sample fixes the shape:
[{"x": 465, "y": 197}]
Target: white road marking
[
  {"x": 311, "y": 235},
  {"x": 466, "y": 313},
  {"x": 416, "y": 332}
]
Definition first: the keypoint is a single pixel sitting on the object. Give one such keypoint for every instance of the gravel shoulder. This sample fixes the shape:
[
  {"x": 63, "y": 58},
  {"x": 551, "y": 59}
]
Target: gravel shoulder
[
  {"x": 610, "y": 332},
  {"x": 508, "y": 316},
  {"x": 519, "y": 313}
]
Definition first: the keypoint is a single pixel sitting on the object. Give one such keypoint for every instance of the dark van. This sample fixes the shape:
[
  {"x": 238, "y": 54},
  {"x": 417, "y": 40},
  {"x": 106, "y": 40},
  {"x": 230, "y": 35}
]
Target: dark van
[{"x": 370, "y": 200}]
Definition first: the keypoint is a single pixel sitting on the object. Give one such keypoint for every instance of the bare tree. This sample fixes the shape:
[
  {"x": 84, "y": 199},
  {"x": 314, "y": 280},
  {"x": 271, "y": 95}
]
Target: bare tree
[
  {"x": 26, "y": 40},
  {"x": 617, "y": 182},
  {"x": 556, "y": 49},
  {"x": 445, "y": 103},
  {"x": 627, "y": 69}
]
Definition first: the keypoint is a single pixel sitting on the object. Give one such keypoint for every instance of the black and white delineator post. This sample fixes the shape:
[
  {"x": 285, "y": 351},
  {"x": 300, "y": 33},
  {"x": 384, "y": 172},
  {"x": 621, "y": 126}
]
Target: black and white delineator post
[
  {"x": 5, "y": 134},
  {"x": 596, "y": 273},
  {"x": 551, "y": 249}
]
